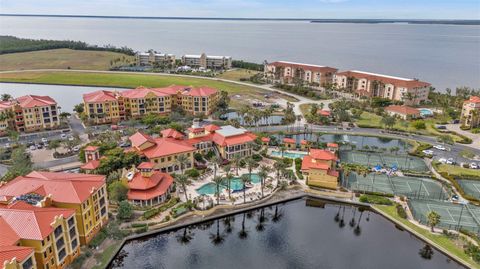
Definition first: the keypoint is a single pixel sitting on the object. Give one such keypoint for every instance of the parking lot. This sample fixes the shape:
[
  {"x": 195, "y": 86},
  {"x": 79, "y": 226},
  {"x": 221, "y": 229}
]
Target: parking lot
[{"x": 450, "y": 156}]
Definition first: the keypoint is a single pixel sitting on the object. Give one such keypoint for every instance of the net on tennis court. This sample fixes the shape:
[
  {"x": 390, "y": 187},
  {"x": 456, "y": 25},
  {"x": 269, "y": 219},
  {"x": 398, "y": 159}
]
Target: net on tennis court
[{"x": 384, "y": 160}]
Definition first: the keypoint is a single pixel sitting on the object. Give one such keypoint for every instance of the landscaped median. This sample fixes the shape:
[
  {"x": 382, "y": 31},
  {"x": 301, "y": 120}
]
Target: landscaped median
[{"x": 440, "y": 241}]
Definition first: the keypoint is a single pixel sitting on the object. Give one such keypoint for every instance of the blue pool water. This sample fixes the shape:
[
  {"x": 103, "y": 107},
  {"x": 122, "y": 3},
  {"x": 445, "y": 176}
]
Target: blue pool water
[
  {"x": 425, "y": 112},
  {"x": 236, "y": 185},
  {"x": 288, "y": 154}
]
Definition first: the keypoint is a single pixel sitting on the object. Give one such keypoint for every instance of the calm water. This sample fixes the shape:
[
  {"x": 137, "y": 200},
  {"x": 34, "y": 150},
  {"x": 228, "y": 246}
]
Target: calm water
[
  {"x": 291, "y": 236},
  {"x": 445, "y": 55},
  {"x": 272, "y": 120}
]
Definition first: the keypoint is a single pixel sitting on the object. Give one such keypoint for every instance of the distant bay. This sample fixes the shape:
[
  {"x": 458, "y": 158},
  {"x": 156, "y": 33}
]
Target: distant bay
[{"x": 445, "y": 55}]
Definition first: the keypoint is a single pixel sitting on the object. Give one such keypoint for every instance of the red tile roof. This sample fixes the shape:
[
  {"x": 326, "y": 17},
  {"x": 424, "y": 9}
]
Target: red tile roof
[
  {"x": 7, "y": 253},
  {"x": 321, "y": 154},
  {"x": 30, "y": 101},
  {"x": 8, "y": 236},
  {"x": 167, "y": 146},
  {"x": 196, "y": 130},
  {"x": 399, "y": 82},
  {"x": 172, "y": 133},
  {"x": 316, "y": 68},
  {"x": 145, "y": 188},
  {"x": 325, "y": 113},
  {"x": 289, "y": 140},
  {"x": 201, "y": 91},
  {"x": 406, "y": 110},
  {"x": 233, "y": 140},
  {"x": 140, "y": 138},
  {"x": 91, "y": 165},
  {"x": 31, "y": 222},
  {"x": 91, "y": 148},
  {"x": 145, "y": 165},
  {"x": 64, "y": 187},
  {"x": 4, "y": 105},
  {"x": 332, "y": 145},
  {"x": 212, "y": 127},
  {"x": 265, "y": 139},
  {"x": 142, "y": 92},
  {"x": 99, "y": 96},
  {"x": 307, "y": 163},
  {"x": 473, "y": 99},
  {"x": 304, "y": 142}
]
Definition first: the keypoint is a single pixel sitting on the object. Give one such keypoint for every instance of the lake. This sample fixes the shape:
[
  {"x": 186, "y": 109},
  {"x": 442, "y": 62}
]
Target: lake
[
  {"x": 298, "y": 234},
  {"x": 445, "y": 55}
]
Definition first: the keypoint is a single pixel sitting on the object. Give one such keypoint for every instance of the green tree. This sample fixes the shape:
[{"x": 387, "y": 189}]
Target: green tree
[
  {"x": 183, "y": 162},
  {"x": 54, "y": 144},
  {"x": 419, "y": 125},
  {"x": 388, "y": 121},
  {"x": 263, "y": 174},
  {"x": 433, "y": 218},
  {"x": 117, "y": 191},
  {"x": 447, "y": 139},
  {"x": 237, "y": 161},
  {"x": 6, "y": 97},
  {"x": 218, "y": 183},
  {"x": 183, "y": 181},
  {"x": 125, "y": 210},
  {"x": 245, "y": 179},
  {"x": 21, "y": 164}
]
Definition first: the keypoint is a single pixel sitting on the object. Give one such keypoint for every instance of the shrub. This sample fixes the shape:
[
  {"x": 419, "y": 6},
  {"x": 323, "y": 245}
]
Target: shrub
[
  {"x": 125, "y": 210},
  {"x": 401, "y": 211},
  {"x": 419, "y": 125},
  {"x": 257, "y": 157},
  {"x": 194, "y": 173},
  {"x": 374, "y": 199}
]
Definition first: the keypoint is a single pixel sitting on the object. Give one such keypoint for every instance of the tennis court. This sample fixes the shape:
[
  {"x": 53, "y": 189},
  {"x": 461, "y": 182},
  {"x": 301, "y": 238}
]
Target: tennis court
[
  {"x": 401, "y": 161},
  {"x": 452, "y": 216},
  {"x": 470, "y": 187},
  {"x": 414, "y": 187}
]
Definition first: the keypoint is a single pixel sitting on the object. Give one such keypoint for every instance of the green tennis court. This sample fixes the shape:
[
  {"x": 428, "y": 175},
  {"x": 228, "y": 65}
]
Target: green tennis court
[
  {"x": 452, "y": 216},
  {"x": 420, "y": 188},
  {"x": 470, "y": 187},
  {"x": 401, "y": 161}
]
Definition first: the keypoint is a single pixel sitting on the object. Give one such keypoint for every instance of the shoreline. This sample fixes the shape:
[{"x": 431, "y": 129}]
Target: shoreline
[{"x": 302, "y": 195}]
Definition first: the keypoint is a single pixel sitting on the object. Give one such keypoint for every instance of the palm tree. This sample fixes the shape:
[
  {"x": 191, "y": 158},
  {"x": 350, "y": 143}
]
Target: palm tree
[
  {"x": 263, "y": 174},
  {"x": 54, "y": 144},
  {"x": 245, "y": 179},
  {"x": 217, "y": 161},
  {"x": 237, "y": 161},
  {"x": 433, "y": 218},
  {"x": 282, "y": 149},
  {"x": 6, "y": 97},
  {"x": 229, "y": 177},
  {"x": 183, "y": 181},
  {"x": 218, "y": 182},
  {"x": 278, "y": 166},
  {"x": 183, "y": 162},
  {"x": 251, "y": 163}
]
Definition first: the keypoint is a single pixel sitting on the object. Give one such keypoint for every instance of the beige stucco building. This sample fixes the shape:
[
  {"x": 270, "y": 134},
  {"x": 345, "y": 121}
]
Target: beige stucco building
[{"x": 289, "y": 72}]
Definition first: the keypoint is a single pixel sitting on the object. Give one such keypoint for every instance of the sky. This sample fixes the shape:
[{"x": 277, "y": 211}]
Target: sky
[{"x": 327, "y": 9}]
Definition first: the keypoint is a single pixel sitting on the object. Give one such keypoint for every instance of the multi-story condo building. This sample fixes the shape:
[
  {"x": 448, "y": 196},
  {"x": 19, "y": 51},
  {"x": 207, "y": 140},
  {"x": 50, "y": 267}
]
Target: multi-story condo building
[
  {"x": 43, "y": 237},
  {"x": 289, "y": 73},
  {"x": 409, "y": 91},
  {"x": 207, "y": 61},
  {"x": 85, "y": 195},
  {"x": 163, "y": 152},
  {"x": 152, "y": 58},
  {"x": 29, "y": 113},
  {"x": 471, "y": 112},
  {"x": 319, "y": 168},
  {"x": 103, "y": 107}
]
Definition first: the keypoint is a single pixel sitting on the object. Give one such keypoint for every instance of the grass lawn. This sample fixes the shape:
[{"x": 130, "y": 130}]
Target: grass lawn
[
  {"x": 237, "y": 74},
  {"x": 441, "y": 240},
  {"x": 105, "y": 256},
  {"x": 305, "y": 108},
  {"x": 457, "y": 170},
  {"x": 241, "y": 93},
  {"x": 61, "y": 59},
  {"x": 371, "y": 120}
]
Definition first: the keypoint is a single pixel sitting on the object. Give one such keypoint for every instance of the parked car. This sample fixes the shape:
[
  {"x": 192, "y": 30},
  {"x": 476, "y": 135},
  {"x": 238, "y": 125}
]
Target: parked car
[
  {"x": 441, "y": 127},
  {"x": 428, "y": 152},
  {"x": 44, "y": 140},
  {"x": 39, "y": 146},
  {"x": 473, "y": 166},
  {"x": 7, "y": 145},
  {"x": 455, "y": 121},
  {"x": 63, "y": 136},
  {"x": 442, "y": 160},
  {"x": 76, "y": 149},
  {"x": 450, "y": 161},
  {"x": 70, "y": 138},
  {"x": 440, "y": 147},
  {"x": 32, "y": 147},
  {"x": 454, "y": 197}
]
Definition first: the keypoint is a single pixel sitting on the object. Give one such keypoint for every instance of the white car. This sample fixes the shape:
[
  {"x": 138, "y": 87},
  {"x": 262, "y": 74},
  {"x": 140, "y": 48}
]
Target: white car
[
  {"x": 450, "y": 161},
  {"x": 442, "y": 160},
  {"x": 474, "y": 166},
  {"x": 7, "y": 145},
  {"x": 32, "y": 147},
  {"x": 440, "y": 147},
  {"x": 70, "y": 138},
  {"x": 428, "y": 152},
  {"x": 76, "y": 148},
  {"x": 44, "y": 140}
]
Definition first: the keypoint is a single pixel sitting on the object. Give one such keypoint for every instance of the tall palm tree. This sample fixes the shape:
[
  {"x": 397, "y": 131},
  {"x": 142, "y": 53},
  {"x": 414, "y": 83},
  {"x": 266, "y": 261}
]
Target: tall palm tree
[
  {"x": 6, "y": 97},
  {"x": 278, "y": 166},
  {"x": 251, "y": 163},
  {"x": 183, "y": 162},
  {"x": 183, "y": 181},
  {"x": 282, "y": 149},
  {"x": 218, "y": 182},
  {"x": 228, "y": 177},
  {"x": 237, "y": 161},
  {"x": 263, "y": 174},
  {"x": 245, "y": 179},
  {"x": 217, "y": 161}
]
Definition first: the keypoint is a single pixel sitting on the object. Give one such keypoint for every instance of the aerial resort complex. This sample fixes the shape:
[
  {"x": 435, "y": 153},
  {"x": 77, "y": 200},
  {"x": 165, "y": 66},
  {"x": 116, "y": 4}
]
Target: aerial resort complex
[{"x": 283, "y": 155}]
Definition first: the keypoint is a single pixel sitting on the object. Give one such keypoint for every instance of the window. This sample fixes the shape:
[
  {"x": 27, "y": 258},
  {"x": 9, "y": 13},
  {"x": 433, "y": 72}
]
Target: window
[
  {"x": 60, "y": 243},
  {"x": 27, "y": 264},
  {"x": 62, "y": 254},
  {"x": 71, "y": 222},
  {"x": 74, "y": 243}
]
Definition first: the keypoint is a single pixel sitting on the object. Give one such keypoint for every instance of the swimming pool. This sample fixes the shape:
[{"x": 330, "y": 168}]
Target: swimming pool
[
  {"x": 235, "y": 184},
  {"x": 425, "y": 112},
  {"x": 290, "y": 155}
]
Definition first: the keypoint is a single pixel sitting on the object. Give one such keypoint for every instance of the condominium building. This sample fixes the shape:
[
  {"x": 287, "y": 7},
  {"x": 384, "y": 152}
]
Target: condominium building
[
  {"x": 471, "y": 112},
  {"x": 409, "y": 91},
  {"x": 153, "y": 58},
  {"x": 35, "y": 236},
  {"x": 103, "y": 107},
  {"x": 207, "y": 61},
  {"x": 29, "y": 113},
  {"x": 290, "y": 73},
  {"x": 318, "y": 167},
  {"x": 85, "y": 195}
]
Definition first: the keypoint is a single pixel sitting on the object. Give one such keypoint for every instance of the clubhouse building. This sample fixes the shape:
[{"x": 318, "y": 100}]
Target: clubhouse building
[{"x": 318, "y": 167}]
